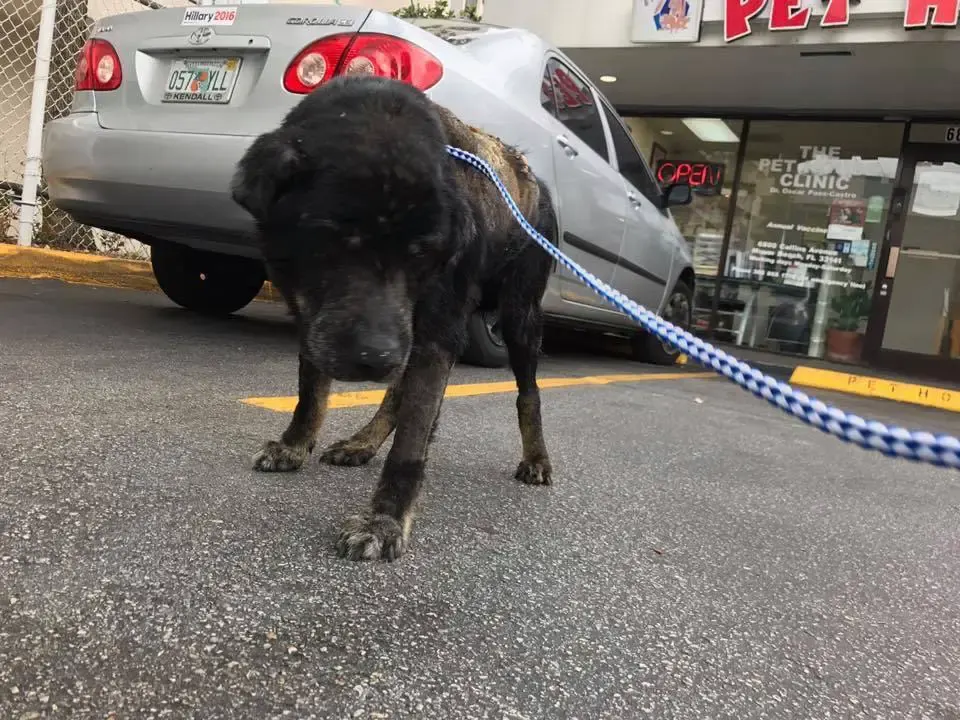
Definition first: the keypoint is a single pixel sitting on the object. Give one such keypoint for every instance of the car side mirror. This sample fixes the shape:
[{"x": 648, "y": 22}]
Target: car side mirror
[{"x": 675, "y": 195}]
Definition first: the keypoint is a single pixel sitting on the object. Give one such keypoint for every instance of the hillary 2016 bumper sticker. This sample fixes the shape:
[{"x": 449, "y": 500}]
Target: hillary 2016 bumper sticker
[{"x": 209, "y": 16}]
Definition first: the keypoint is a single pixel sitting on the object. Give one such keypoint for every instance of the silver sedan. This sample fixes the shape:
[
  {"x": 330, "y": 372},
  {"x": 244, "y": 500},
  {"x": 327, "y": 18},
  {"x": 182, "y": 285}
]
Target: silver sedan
[{"x": 166, "y": 102}]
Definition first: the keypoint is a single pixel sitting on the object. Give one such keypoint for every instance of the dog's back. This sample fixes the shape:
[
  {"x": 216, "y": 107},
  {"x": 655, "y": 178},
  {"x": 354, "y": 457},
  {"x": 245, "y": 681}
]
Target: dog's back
[{"x": 506, "y": 161}]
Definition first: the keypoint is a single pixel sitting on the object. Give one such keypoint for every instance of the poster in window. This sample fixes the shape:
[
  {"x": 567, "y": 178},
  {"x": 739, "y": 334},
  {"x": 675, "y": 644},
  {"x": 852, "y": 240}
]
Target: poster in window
[
  {"x": 666, "y": 21},
  {"x": 706, "y": 252},
  {"x": 846, "y": 220}
]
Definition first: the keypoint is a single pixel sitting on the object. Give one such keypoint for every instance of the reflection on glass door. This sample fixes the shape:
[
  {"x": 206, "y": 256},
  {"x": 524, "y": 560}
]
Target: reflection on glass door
[{"x": 924, "y": 313}]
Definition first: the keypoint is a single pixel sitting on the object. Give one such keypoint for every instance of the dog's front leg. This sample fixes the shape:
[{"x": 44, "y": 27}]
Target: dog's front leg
[
  {"x": 360, "y": 447},
  {"x": 296, "y": 443},
  {"x": 384, "y": 530}
]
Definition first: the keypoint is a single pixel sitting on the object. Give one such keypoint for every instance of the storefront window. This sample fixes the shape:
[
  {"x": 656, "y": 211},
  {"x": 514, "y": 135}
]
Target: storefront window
[
  {"x": 806, "y": 236},
  {"x": 702, "y": 152}
]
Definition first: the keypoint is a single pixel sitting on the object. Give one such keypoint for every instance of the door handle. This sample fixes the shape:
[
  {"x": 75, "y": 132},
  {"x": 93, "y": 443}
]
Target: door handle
[
  {"x": 569, "y": 149},
  {"x": 634, "y": 200}
]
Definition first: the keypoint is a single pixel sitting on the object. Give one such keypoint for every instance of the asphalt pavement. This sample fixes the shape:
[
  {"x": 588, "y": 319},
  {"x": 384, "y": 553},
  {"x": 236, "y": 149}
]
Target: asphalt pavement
[{"x": 700, "y": 555}]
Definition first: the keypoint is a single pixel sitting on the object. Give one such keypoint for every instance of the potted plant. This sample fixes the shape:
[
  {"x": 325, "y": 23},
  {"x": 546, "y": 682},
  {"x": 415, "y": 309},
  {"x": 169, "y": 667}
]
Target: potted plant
[{"x": 844, "y": 339}]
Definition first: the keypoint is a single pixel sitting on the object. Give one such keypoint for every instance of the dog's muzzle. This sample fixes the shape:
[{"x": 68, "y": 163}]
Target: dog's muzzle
[{"x": 371, "y": 357}]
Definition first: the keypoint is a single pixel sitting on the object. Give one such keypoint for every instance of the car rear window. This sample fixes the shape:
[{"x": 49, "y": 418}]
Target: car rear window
[{"x": 455, "y": 32}]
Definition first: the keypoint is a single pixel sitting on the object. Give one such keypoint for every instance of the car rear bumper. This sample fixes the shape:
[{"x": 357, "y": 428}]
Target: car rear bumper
[{"x": 149, "y": 185}]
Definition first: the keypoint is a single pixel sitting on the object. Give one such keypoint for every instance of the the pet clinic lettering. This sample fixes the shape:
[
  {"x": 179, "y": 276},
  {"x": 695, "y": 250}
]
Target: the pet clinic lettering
[
  {"x": 805, "y": 254},
  {"x": 799, "y": 15},
  {"x": 819, "y": 171}
]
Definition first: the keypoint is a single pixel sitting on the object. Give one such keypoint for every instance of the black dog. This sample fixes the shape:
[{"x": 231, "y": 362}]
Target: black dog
[{"x": 382, "y": 246}]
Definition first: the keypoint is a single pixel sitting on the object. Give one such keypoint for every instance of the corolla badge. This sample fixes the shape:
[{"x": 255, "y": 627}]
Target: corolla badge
[{"x": 200, "y": 35}]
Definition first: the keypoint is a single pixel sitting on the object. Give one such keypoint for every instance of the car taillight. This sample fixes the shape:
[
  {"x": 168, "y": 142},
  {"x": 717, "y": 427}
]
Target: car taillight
[
  {"x": 98, "y": 67},
  {"x": 367, "y": 54}
]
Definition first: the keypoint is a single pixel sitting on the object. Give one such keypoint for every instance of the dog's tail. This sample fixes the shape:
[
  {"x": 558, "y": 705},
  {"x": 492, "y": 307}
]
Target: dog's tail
[{"x": 270, "y": 164}]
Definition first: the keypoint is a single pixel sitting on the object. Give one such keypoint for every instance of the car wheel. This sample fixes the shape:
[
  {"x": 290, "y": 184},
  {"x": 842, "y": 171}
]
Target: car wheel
[
  {"x": 485, "y": 346},
  {"x": 679, "y": 311},
  {"x": 205, "y": 282}
]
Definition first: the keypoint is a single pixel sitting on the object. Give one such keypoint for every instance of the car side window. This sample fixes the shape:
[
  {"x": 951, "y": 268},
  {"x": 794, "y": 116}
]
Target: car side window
[
  {"x": 573, "y": 105},
  {"x": 547, "y": 97},
  {"x": 631, "y": 162}
]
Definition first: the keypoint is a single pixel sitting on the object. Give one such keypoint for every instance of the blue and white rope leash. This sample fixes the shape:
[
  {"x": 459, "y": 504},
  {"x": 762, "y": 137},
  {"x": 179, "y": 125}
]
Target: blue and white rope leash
[{"x": 939, "y": 450}]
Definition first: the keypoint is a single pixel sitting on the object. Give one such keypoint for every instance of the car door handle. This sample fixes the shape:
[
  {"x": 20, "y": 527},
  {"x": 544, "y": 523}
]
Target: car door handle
[
  {"x": 634, "y": 200},
  {"x": 569, "y": 149}
]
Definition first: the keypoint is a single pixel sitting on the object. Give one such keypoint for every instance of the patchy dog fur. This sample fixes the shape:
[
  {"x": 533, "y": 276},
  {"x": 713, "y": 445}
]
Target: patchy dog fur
[{"x": 382, "y": 246}]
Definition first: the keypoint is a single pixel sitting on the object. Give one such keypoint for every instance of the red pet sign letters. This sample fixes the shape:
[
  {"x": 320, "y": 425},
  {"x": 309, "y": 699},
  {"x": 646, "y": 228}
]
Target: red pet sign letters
[{"x": 795, "y": 15}]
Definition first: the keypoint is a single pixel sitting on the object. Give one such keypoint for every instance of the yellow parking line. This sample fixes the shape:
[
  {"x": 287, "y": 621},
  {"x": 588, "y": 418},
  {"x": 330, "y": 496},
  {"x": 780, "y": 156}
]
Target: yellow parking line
[{"x": 374, "y": 397}]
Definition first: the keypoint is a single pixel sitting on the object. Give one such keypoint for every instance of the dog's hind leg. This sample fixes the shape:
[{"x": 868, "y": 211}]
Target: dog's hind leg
[
  {"x": 384, "y": 530},
  {"x": 297, "y": 441},
  {"x": 521, "y": 323},
  {"x": 360, "y": 448}
]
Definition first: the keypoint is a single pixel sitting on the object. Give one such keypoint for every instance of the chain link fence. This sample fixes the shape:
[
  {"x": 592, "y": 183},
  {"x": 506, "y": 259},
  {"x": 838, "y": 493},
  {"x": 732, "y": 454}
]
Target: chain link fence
[{"x": 19, "y": 30}]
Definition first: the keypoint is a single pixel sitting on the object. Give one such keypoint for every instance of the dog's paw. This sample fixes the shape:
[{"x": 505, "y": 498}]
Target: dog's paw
[
  {"x": 277, "y": 457},
  {"x": 534, "y": 473},
  {"x": 365, "y": 537},
  {"x": 347, "y": 453}
]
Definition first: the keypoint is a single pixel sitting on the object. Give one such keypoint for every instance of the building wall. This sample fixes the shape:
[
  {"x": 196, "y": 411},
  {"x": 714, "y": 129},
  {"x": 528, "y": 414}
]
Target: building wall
[{"x": 609, "y": 24}]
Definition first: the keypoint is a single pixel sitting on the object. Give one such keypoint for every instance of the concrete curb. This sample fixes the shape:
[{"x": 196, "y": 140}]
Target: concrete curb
[
  {"x": 939, "y": 398},
  {"x": 86, "y": 269},
  {"x": 854, "y": 381}
]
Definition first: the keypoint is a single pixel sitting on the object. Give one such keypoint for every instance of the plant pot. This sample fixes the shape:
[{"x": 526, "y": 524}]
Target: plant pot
[{"x": 844, "y": 345}]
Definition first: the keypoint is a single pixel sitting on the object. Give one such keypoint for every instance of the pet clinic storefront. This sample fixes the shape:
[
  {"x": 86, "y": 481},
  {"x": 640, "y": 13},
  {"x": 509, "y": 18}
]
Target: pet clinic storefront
[
  {"x": 825, "y": 156},
  {"x": 844, "y": 242}
]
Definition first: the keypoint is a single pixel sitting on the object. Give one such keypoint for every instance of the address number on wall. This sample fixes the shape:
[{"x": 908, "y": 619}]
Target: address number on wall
[{"x": 952, "y": 135}]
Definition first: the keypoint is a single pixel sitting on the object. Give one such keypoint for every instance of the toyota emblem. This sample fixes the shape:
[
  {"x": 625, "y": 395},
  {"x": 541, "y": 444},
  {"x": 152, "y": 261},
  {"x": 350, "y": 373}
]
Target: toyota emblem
[{"x": 200, "y": 36}]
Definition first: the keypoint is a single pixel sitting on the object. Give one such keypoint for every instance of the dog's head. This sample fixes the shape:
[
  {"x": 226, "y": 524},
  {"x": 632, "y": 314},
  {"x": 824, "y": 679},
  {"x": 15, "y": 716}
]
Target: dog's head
[{"x": 354, "y": 203}]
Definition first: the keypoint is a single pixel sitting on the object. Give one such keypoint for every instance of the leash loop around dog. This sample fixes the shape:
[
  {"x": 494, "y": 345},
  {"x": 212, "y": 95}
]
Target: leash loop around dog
[{"x": 919, "y": 446}]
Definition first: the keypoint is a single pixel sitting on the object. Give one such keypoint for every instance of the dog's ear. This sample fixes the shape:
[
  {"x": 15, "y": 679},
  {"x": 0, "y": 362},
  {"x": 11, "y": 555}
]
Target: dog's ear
[{"x": 268, "y": 166}]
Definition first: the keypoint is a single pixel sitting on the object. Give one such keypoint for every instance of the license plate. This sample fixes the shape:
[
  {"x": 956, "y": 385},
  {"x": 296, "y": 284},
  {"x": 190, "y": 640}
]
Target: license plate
[{"x": 202, "y": 80}]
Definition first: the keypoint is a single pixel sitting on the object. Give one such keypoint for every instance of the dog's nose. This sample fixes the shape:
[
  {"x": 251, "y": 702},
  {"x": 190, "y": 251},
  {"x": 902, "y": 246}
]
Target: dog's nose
[{"x": 377, "y": 356}]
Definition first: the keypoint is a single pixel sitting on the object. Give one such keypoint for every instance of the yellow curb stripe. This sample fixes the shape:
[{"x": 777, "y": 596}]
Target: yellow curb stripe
[
  {"x": 77, "y": 268},
  {"x": 74, "y": 267},
  {"x": 374, "y": 397},
  {"x": 874, "y": 387}
]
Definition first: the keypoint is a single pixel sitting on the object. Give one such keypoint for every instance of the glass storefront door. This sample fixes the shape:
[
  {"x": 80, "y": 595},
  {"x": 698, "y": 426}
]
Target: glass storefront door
[{"x": 921, "y": 331}]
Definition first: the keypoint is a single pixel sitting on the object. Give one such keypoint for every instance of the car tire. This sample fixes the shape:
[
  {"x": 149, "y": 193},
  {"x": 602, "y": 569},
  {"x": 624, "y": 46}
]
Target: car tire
[
  {"x": 205, "y": 282},
  {"x": 485, "y": 346},
  {"x": 679, "y": 310}
]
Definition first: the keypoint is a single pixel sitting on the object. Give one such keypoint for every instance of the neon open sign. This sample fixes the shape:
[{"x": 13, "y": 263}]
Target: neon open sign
[{"x": 703, "y": 177}]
